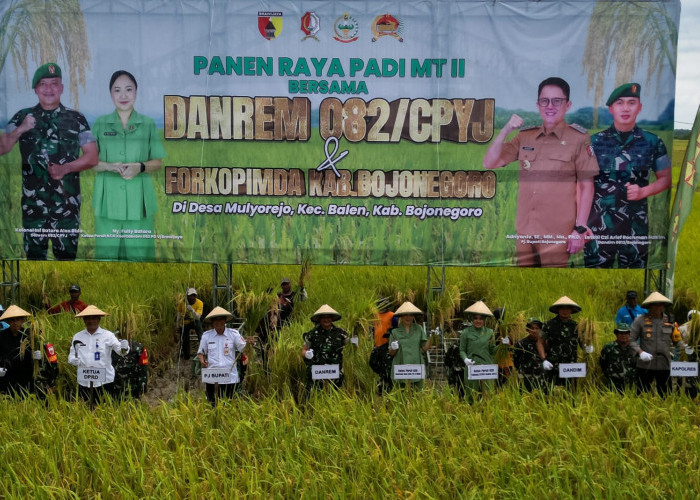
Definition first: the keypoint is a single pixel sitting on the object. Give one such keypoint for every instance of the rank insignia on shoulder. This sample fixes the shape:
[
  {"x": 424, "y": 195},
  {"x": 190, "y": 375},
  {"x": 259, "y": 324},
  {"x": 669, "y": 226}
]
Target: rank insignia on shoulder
[
  {"x": 529, "y": 128},
  {"x": 578, "y": 128}
]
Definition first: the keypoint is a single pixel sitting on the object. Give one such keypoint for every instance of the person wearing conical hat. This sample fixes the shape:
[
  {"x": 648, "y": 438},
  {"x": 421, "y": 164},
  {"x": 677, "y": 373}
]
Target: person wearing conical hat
[
  {"x": 408, "y": 342},
  {"x": 527, "y": 358},
  {"x": 618, "y": 360},
  {"x": 323, "y": 345},
  {"x": 634, "y": 165},
  {"x": 476, "y": 347},
  {"x": 652, "y": 336},
  {"x": 16, "y": 359},
  {"x": 92, "y": 347},
  {"x": 561, "y": 339},
  {"x": 221, "y": 347}
]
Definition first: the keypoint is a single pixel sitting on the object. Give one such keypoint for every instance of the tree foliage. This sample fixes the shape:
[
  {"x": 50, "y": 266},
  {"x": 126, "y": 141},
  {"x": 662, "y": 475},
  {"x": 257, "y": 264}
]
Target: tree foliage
[
  {"x": 622, "y": 37},
  {"x": 40, "y": 31}
]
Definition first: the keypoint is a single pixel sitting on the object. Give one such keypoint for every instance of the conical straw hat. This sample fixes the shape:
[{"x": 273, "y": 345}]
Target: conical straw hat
[
  {"x": 565, "y": 301},
  {"x": 219, "y": 312},
  {"x": 325, "y": 310},
  {"x": 656, "y": 298},
  {"x": 479, "y": 307},
  {"x": 14, "y": 311},
  {"x": 407, "y": 308},
  {"x": 91, "y": 311}
]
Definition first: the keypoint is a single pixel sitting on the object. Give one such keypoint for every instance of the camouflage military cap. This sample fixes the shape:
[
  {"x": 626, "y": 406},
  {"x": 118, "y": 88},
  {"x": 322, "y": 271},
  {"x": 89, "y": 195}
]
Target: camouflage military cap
[
  {"x": 622, "y": 329},
  {"x": 626, "y": 90},
  {"x": 48, "y": 70}
]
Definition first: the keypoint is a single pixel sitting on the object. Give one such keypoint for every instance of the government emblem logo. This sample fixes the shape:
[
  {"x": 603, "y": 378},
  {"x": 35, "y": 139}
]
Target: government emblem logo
[
  {"x": 270, "y": 24},
  {"x": 346, "y": 28},
  {"x": 386, "y": 25},
  {"x": 310, "y": 25}
]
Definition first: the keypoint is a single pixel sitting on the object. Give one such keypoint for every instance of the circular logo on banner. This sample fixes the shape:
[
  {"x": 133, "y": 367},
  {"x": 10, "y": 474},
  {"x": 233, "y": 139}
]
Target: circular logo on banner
[
  {"x": 346, "y": 28},
  {"x": 386, "y": 25}
]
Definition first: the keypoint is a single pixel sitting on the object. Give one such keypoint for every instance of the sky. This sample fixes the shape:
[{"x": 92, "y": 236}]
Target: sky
[{"x": 688, "y": 69}]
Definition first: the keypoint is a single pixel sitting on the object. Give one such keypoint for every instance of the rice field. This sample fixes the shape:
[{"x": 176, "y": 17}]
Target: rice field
[{"x": 349, "y": 443}]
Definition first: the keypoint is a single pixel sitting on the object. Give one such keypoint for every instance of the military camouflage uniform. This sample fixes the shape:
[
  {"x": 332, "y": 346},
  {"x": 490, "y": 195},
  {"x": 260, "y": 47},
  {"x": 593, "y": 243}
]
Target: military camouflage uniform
[
  {"x": 529, "y": 364},
  {"x": 622, "y": 160},
  {"x": 130, "y": 372},
  {"x": 561, "y": 342},
  {"x": 619, "y": 366},
  {"x": 51, "y": 207},
  {"x": 328, "y": 350},
  {"x": 45, "y": 382}
]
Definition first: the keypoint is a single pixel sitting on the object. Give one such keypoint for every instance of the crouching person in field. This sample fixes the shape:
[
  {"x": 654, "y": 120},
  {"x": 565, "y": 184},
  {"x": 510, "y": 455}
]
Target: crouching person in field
[
  {"x": 221, "y": 347},
  {"x": 323, "y": 345},
  {"x": 91, "y": 351}
]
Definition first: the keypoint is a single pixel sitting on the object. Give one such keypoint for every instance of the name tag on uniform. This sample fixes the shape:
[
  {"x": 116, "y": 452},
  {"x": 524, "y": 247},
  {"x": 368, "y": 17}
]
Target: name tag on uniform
[
  {"x": 482, "y": 372},
  {"x": 684, "y": 368},
  {"x": 325, "y": 372},
  {"x": 409, "y": 372},
  {"x": 216, "y": 375},
  {"x": 572, "y": 370},
  {"x": 87, "y": 374}
]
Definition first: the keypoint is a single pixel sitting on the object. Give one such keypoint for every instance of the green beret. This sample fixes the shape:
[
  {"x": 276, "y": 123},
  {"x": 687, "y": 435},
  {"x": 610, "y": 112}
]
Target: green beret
[
  {"x": 48, "y": 70},
  {"x": 626, "y": 90},
  {"x": 622, "y": 328}
]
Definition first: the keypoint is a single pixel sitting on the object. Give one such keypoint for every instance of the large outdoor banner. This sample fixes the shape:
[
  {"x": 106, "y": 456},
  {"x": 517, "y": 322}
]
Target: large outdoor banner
[{"x": 475, "y": 133}]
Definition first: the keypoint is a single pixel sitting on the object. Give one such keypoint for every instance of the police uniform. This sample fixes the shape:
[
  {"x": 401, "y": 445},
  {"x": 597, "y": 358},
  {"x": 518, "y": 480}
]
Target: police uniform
[
  {"x": 550, "y": 165},
  {"x": 655, "y": 336},
  {"x": 622, "y": 158},
  {"x": 528, "y": 363},
  {"x": 619, "y": 365},
  {"x": 327, "y": 346},
  {"x": 122, "y": 204},
  {"x": 49, "y": 204}
]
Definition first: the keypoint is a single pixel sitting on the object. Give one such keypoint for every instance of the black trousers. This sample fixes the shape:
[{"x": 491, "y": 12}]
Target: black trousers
[
  {"x": 646, "y": 377},
  {"x": 224, "y": 391}
]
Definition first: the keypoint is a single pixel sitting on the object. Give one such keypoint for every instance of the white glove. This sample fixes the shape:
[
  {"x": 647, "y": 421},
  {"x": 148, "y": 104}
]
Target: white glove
[
  {"x": 645, "y": 356},
  {"x": 309, "y": 354},
  {"x": 3, "y": 371},
  {"x": 36, "y": 355},
  {"x": 124, "y": 345},
  {"x": 589, "y": 349},
  {"x": 468, "y": 361},
  {"x": 505, "y": 340},
  {"x": 394, "y": 346},
  {"x": 354, "y": 340},
  {"x": 689, "y": 350},
  {"x": 546, "y": 365}
]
